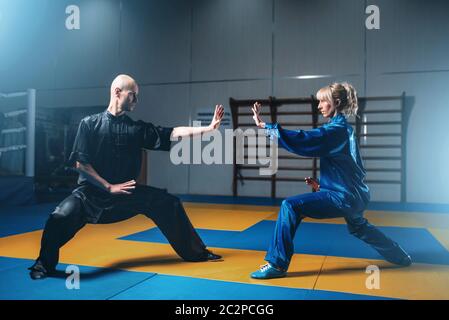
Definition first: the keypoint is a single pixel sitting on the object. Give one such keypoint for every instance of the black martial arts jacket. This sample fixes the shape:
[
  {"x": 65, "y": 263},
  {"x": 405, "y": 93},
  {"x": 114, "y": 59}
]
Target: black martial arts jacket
[{"x": 112, "y": 145}]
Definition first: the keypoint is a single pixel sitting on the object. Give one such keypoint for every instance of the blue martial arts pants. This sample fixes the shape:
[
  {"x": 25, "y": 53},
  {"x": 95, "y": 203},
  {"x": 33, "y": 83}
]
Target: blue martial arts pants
[{"x": 321, "y": 205}]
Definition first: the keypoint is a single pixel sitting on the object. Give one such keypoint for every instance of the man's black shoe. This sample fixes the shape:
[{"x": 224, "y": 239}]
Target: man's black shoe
[
  {"x": 399, "y": 257},
  {"x": 38, "y": 274},
  {"x": 212, "y": 256},
  {"x": 403, "y": 262},
  {"x": 38, "y": 271}
]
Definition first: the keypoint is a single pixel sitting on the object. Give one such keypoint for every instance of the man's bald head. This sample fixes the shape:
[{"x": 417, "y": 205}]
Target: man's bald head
[
  {"x": 124, "y": 91},
  {"x": 123, "y": 82}
]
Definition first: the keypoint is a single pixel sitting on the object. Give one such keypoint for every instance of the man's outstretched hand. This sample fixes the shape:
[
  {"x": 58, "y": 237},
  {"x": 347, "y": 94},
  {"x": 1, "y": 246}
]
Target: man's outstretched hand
[
  {"x": 218, "y": 116},
  {"x": 122, "y": 188},
  {"x": 181, "y": 132}
]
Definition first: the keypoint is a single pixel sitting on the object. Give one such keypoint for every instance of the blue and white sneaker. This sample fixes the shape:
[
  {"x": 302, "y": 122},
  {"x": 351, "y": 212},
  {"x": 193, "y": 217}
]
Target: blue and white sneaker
[{"x": 267, "y": 271}]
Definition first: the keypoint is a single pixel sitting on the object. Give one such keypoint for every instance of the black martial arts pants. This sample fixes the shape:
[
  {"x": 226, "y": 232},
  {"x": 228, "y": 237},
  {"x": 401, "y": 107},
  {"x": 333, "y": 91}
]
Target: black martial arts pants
[{"x": 163, "y": 208}]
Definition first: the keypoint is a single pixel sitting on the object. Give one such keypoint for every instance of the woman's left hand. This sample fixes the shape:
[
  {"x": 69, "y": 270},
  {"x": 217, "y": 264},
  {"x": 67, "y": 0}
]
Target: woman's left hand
[
  {"x": 256, "y": 115},
  {"x": 313, "y": 183}
]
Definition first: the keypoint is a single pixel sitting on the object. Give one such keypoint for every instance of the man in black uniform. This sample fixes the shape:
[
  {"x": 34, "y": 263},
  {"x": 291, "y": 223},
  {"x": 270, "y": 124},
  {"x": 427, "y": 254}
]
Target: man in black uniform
[{"x": 107, "y": 154}]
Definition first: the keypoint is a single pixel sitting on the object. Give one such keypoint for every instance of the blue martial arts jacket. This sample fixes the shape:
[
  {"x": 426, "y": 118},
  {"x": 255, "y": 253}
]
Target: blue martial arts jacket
[{"x": 341, "y": 167}]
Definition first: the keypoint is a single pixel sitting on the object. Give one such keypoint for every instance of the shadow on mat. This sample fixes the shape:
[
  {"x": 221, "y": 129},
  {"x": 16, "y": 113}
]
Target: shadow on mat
[
  {"x": 336, "y": 271},
  {"x": 125, "y": 265}
]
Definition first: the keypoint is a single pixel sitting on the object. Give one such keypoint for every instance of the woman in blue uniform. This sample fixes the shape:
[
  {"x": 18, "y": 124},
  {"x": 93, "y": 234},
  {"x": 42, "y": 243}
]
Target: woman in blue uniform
[{"x": 342, "y": 192}]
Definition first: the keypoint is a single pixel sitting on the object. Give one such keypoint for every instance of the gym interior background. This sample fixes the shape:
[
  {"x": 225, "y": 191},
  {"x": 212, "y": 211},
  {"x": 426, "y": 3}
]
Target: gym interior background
[{"x": 188, "y": 56}]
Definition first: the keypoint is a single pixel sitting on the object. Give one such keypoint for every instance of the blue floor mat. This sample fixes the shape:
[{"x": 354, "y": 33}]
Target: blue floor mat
[
  {"x": 17, "y": 220},
  {"x": 317, "y": 239},
  {"x": 166, "y": 287},
  {"x": 103, "y": 283},
  {"x": 95, "y": 283}
]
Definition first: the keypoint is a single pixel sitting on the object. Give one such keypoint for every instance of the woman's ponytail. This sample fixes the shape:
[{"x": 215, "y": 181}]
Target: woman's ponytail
[{"x": 352, "y": 106}]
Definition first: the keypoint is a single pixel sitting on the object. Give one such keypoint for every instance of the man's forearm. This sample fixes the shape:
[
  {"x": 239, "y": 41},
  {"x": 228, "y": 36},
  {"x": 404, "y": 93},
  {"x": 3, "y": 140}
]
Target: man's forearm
[
  {"x": 92, "y": 176},
  {"x": 189, "y": 131}
]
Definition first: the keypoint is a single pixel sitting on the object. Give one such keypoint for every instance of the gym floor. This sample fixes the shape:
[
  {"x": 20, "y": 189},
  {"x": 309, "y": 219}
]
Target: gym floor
[{"x": 132, "y": 260}]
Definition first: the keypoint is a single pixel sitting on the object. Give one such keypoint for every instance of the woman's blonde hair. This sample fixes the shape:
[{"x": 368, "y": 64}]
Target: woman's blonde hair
[{"x": 343, "y": 92}]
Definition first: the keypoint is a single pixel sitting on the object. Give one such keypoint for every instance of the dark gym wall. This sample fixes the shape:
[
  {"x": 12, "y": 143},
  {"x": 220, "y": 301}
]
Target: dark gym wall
[{"x": 193, "y": 54}]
